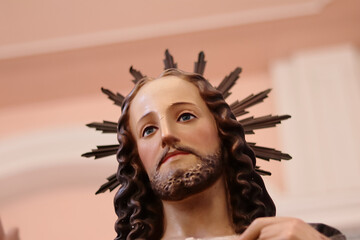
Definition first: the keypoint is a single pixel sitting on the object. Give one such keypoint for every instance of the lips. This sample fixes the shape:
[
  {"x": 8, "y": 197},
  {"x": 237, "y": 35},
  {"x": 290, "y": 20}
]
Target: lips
[{"x": 172, "y": 154}]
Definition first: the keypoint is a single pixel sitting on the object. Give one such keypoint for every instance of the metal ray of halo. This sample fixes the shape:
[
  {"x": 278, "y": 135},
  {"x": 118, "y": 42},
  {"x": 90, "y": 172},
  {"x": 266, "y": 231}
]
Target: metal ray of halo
[
  {"x": 169, "y": 60},
  {"x": 136, "y": 74},
  {"x": 199, "y": 66}
]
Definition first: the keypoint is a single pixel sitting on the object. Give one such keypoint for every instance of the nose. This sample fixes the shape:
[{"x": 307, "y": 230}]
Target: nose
[{"x": 167, "y": 134}]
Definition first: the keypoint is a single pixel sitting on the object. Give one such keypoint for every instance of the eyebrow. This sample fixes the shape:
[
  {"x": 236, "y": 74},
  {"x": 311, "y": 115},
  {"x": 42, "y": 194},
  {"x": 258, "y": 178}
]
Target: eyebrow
[
  {"x": 181, "y": 103},
  {"x": 144, "y": 116}
]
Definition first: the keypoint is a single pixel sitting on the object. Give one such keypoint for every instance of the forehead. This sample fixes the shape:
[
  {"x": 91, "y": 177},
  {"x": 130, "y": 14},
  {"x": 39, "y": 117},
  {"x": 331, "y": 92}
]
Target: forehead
[{"x": 159, "y": 94}]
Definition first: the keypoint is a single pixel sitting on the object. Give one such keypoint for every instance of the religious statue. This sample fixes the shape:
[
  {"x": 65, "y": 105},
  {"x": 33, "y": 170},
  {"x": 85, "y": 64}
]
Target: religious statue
[{"x": 185, "y": 169}]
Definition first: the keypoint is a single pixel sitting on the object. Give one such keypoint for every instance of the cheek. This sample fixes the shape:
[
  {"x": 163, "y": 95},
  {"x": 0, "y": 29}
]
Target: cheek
[
  {"x": 148, "y": 154},
  {"x": 205, "y": 138}
]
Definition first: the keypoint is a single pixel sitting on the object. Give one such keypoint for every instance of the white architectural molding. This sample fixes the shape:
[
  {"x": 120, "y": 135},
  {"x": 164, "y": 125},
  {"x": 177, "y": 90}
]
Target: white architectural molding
[
  {"x": 321, "y": 90},
  {"x": 286, "y": 9},
  {"x": 51, "y": 158},
  {"x": 48, "y": 148}
]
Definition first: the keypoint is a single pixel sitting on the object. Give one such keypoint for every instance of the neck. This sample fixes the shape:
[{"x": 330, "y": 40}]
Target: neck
[{"x": 202, "y": 215}]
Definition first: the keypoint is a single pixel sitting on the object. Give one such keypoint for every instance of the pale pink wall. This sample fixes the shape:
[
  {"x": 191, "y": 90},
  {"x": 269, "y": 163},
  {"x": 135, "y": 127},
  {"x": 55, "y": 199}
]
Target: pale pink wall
[{"x": 61, "y": 213}]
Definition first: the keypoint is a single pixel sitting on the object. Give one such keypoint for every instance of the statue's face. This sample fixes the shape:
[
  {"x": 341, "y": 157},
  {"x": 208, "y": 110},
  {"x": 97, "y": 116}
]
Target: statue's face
[{"x": 175, "y": 134}]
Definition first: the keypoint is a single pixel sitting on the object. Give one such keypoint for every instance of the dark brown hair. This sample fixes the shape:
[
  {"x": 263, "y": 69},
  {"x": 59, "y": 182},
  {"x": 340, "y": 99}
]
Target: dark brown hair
[{"x": 140, "y": 211}]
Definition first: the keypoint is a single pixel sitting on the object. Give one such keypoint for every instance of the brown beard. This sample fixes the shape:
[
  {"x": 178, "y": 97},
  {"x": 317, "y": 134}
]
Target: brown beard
[{"x": 180, "y": 184}]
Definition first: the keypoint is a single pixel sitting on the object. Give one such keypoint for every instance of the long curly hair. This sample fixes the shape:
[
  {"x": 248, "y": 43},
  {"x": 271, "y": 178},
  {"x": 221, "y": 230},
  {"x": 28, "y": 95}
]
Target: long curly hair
[{"x": 140, "y": 211}]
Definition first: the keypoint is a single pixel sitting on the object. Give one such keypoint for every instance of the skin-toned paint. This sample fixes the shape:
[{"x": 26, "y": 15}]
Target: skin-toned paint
[{"x": 169, "y": 111}]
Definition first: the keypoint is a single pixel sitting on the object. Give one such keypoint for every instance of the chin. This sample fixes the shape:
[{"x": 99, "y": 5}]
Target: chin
[{"x": 182, "y": 182}]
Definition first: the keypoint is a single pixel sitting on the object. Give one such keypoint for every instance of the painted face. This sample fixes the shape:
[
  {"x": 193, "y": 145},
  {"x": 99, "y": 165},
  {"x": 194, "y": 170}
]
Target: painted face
[{"x": 176, "y": 135}]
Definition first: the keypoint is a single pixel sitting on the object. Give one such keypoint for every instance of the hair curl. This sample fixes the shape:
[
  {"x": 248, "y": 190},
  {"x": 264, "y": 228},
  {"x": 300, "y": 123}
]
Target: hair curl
[{"x": 140, "y": 211}]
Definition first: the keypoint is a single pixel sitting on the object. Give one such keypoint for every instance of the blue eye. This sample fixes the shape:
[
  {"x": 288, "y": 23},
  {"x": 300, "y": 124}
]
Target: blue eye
[
  {"x": 186, "y": 117},
  {"x": 148, "y": 130}
]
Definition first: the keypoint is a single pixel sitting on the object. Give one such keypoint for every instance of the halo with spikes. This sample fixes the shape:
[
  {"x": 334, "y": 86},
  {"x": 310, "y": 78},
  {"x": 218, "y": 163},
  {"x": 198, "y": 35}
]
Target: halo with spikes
[{"x": 238, "y": 108}]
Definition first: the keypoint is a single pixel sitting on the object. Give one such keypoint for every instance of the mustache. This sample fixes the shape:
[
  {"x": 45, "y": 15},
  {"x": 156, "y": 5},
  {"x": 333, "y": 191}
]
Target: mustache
[{"x": 178, "y": 148}]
